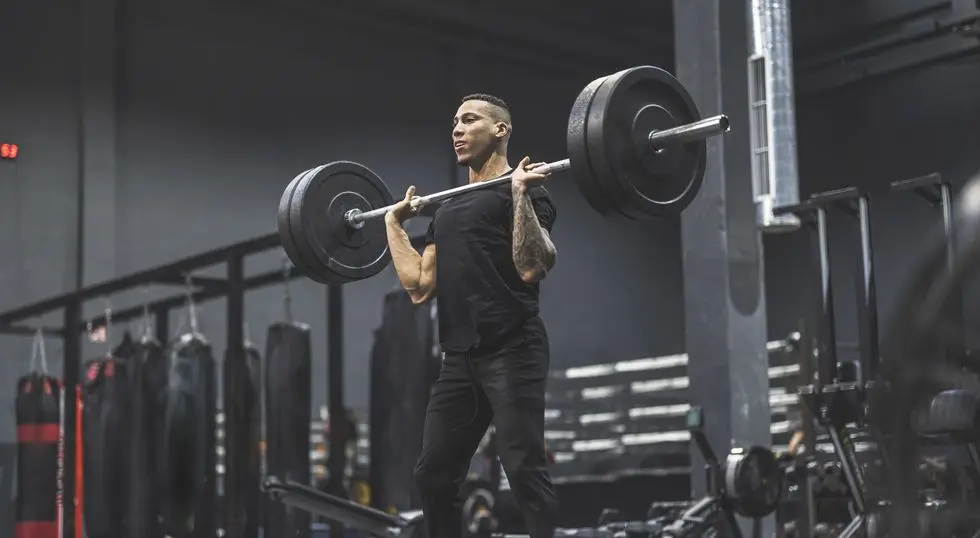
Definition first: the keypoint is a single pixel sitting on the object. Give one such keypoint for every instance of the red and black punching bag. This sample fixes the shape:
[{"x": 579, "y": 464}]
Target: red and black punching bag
[{"x": 38, "y": 415}]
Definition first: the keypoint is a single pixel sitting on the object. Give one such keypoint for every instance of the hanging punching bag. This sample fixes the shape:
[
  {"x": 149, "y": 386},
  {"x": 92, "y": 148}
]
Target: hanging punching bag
[
  {"x": 38, "y": 415},
  {"x": 287, "y": 408},
  {"x": 155, "y": 383},
  {"x": 105, "y": 408},
  {"x": 183, "y": 450},
  {"x": 404, "y": 365},
  {"x": 140, "y": 427}
]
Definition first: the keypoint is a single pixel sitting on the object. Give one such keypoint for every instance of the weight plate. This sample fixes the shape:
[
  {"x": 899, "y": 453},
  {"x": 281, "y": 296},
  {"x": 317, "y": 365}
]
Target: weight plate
[
  {"x": 320, "y": 201},
  {"x": 282, "y": 219},
  {"x": 609, "y": 185},
  {"x": 753, "y": 481},
  {"x": 317, "y": 270},
  {"x": 312, "y": 266},
  {"x": 626, "y": 108},
  {"x": 578, "y": 152},
  {"x": 285, "y": 233},
  {"x": 596, "y": 126}
]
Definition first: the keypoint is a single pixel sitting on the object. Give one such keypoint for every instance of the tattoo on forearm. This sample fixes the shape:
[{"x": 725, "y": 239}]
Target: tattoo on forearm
[{"x": 533, "y": 250}]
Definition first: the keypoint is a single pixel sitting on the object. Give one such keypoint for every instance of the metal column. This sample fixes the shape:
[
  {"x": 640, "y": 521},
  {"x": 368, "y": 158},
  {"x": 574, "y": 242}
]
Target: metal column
[
  {"x": 235, "y": 373},
  {"x": 71, "y": 376},
  {"x": 724, "y": 294},
  {"x": 335, "y": 392}
]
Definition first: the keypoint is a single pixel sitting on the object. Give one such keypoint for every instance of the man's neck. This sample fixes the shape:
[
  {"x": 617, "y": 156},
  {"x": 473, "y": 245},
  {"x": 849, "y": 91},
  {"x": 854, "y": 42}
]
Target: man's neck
[{"x": 495, "y": 166}]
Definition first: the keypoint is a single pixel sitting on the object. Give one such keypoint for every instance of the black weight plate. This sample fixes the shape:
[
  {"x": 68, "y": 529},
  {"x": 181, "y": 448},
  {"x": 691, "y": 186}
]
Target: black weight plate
[
  {"x": 754, "y": 481},
  {"x": 598, "y": 163},
  {"x": 317, "y": 219},
  {"x": 596, "y": 126},
  {"x": 626, "y": 107},
  {"x": 282, "y": 219},
  {"x": 307, "y": 252},
  {"x": 578, "y": 152},
  {"x": 285, "y": 232}
]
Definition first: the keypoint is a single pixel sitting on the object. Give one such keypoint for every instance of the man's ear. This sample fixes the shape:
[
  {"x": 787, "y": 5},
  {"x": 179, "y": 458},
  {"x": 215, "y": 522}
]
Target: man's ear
[{"x": 503, "y": 129}]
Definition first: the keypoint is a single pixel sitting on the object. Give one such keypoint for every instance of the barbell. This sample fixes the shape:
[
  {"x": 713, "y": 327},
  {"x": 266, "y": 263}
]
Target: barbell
[{"x": 636, "y": 147}]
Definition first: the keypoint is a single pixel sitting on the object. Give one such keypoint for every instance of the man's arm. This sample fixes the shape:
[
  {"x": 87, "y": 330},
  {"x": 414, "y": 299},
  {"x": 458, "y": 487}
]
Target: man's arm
[
  {"x": 417, "y": 273},
  {"x": 533, "y": 251}
]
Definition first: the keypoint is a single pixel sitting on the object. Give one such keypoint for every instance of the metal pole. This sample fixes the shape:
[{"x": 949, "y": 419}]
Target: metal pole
[
  {"x": 71, "y": 376},
  {"x": 335, "y": 393},
  {"x": 235, "y": 373}
]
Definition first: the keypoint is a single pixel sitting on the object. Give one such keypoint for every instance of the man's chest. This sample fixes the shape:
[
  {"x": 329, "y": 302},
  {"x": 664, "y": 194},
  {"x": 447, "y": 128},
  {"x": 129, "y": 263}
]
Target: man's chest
[{"x": 477, "y": 214}]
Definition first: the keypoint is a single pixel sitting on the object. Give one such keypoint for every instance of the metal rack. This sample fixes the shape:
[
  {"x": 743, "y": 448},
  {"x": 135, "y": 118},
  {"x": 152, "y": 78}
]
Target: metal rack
[{"x": 232, "y": 287}]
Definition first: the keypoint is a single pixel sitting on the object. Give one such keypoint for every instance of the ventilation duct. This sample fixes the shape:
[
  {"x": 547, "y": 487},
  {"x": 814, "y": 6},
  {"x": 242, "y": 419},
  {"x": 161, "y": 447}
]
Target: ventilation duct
[{"x": 772, "y": 120}]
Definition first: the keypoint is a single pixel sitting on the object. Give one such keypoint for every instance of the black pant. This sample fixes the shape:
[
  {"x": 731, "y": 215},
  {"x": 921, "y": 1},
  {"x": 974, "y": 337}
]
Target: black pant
[{"x": 506, "y": 387}]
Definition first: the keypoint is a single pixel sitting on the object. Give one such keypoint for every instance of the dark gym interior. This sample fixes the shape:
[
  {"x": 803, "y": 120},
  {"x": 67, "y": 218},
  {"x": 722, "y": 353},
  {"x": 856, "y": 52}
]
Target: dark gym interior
[{"x": 148, "y": 133}]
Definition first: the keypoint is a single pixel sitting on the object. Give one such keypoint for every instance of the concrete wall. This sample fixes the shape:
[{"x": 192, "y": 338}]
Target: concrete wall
[{"x": 194, "y": 125}]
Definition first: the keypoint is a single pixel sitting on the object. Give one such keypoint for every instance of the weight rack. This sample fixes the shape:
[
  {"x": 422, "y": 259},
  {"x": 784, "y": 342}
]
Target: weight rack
[{"x": 232, "y": 287}]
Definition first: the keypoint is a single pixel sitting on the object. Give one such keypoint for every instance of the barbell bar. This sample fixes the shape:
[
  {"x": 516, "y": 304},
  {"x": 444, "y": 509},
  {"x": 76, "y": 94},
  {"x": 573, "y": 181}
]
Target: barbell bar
[
  {"x": 698, "y": 130},
  {"x": 636, "y": 147}
]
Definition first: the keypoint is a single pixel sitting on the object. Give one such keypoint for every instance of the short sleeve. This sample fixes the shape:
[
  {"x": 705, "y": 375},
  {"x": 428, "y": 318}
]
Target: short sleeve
[
  {"x": 430, "y": 234},
  {"x": 544, "y": 207}
]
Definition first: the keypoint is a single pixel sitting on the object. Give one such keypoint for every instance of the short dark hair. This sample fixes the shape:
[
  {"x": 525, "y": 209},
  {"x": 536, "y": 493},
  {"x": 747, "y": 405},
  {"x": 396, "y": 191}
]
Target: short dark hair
[{"x": 492, "y": 99}]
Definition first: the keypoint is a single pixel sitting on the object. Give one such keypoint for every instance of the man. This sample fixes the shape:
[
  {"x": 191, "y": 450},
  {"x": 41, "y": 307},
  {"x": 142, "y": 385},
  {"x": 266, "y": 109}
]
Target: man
[{"x": 494, "y": 247}]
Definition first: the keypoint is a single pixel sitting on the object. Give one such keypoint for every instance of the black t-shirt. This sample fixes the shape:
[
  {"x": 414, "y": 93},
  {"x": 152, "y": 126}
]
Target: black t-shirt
[{"x": 482, "y": 299}]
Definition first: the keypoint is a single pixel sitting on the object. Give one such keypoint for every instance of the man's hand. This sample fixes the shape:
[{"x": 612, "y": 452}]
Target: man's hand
[
  {"x": 524, "y": 175},
  {"x": 404, "y": 210}
]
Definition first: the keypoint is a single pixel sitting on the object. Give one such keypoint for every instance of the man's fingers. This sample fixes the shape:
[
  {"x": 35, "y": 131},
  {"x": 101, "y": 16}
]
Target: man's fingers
[
  {"x": 535, "y": 166},
  {"x": 531, "y": 167}
]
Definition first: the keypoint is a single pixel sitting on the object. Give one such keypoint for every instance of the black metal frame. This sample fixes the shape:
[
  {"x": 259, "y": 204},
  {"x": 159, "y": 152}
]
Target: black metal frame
[
  {"x": 834, "y": 400},
  {"x": 937, "y": 192},
  {"x": 232, "y": 287}
]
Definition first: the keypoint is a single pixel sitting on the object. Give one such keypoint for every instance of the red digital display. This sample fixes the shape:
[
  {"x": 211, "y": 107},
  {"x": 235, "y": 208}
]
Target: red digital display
[{"x": 9, "y": 151}]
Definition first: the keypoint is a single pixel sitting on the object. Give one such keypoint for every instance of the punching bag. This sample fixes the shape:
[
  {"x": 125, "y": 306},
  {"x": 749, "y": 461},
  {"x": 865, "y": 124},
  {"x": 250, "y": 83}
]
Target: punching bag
[
  {"x": 404, "y": 365},
  {"x": 142, "y": 391},
  {"x": 154, "y": 375},
  {"x": 183, "y": 450},
  {"x": 38, "y": 413},
  {"x": 287, "y": 408},
  {"x": 105, "y": 446}
]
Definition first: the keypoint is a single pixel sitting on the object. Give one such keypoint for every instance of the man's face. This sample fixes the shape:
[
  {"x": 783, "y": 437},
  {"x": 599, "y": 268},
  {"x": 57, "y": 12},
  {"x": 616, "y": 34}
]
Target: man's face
[{"x": 476, "y": 132}]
